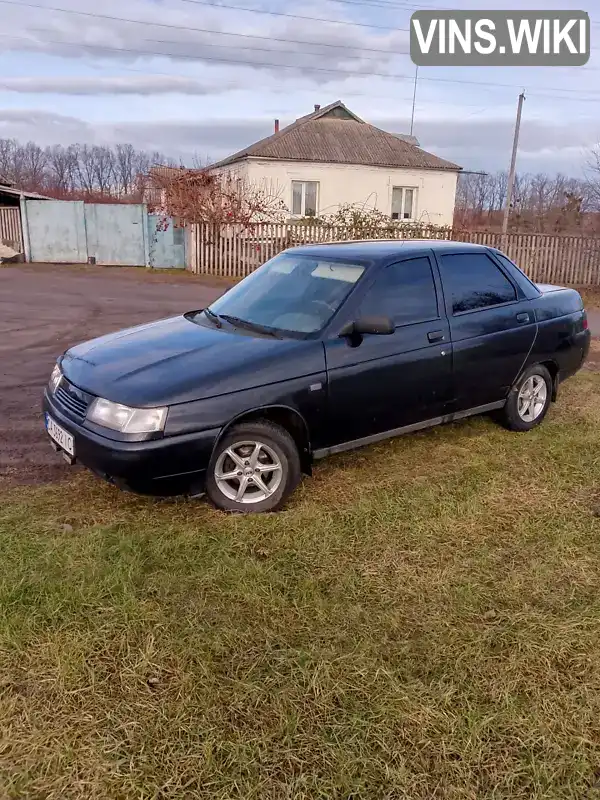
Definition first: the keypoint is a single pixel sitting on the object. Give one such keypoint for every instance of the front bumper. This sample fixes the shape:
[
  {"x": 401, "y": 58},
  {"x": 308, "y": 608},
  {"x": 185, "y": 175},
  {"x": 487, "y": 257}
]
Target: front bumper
[{"x": 171, "y": 465}]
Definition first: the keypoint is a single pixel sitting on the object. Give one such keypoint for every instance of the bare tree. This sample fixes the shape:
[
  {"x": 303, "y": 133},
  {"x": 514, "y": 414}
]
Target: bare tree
[
  {"x": 7, "y": 147},
  {"x": 85, "y": 167},
  {"x": 62, "y": 166},
  {"x": 34, "y": 162},
  {"x": 11, "y": 160},
  {"x": 199, "y": 196},
  {"x": 126, "y": 168},
  {"x": 103, "y": 168},
  {"x": 592, "y": 172}
]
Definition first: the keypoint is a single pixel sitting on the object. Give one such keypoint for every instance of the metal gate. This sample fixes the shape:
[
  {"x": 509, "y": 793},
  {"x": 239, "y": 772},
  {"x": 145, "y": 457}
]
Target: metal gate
[{"x": 10, "y": 227}]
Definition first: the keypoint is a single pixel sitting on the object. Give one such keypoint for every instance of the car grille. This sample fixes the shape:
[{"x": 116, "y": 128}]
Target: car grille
[{"x": 73, "y": 401}]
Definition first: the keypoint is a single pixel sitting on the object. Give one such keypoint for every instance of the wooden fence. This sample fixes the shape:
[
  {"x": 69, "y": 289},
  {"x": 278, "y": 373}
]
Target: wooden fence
[
  {"x": 10, "y": 227},
  {"x": 232, "y": 252}
]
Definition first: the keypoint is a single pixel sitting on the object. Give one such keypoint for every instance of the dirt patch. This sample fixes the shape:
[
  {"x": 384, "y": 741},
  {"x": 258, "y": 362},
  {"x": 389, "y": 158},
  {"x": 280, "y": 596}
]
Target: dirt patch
[
  {"x": 593, "y": 360},
  {"x": 591, "y": 296},
  {"x": 44, "y": 309}
]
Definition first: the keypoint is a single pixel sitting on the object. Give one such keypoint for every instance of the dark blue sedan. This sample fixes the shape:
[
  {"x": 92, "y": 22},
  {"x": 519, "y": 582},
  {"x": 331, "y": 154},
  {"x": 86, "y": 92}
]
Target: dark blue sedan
[{"x": 322, "y": 349}]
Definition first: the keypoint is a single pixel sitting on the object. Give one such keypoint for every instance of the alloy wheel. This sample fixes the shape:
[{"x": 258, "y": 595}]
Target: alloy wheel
[
  {"x": 532, "y": 398},
  {"x": 248, "y": 472}
]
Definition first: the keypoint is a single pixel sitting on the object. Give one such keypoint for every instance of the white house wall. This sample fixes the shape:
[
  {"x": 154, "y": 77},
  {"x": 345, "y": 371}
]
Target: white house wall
[
  {"x": 237, "y": 170},
  {"x": 371, "y": 186}
]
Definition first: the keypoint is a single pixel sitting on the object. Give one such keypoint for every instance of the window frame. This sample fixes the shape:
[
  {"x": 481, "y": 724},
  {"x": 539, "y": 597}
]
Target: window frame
[
  {"x": 303, "y": 182},
  {"x": 439, "y": 296},
  {"x": 415, "y": 191},
  {"x": 523, "y": 281},
  {"x": 448, "y": 294}
]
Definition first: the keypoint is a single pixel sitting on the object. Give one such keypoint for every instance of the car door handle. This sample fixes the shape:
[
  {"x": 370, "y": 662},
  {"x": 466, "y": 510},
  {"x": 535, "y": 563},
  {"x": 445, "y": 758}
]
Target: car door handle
[
  {"x": 436, "y": 336},
  {"x": 524, "y": 317}
]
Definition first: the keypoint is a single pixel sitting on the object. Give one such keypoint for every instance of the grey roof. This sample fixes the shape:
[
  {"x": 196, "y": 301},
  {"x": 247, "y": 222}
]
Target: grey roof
[
  {"x": 28, "y": 195},
  {"x": 334, "y": 135}
]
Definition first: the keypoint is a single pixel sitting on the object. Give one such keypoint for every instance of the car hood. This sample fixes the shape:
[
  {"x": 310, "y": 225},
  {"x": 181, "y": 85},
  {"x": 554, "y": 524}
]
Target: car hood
[{"x": 176, "y": 360}]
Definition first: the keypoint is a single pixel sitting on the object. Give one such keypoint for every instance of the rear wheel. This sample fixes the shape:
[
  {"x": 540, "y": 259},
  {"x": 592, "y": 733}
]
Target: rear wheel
[
  {"x": 529, "y": 400},
  {"x": 254, "y": 468}
]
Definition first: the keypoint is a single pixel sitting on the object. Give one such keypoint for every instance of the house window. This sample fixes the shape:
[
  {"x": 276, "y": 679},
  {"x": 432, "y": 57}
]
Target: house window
[
  {"x": 404, "y": 202},
  {"x": 304, "y": 198}
]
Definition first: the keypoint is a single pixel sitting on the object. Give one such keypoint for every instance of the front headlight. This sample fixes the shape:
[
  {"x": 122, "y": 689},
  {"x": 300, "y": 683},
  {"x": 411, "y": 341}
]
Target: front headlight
[
  {"x": 125, "y": 419},
  {"x": 54, "y": 379}
]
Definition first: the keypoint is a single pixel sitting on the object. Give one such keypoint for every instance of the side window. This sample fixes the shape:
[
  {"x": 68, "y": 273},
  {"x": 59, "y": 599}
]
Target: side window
[
  {"x": 404, "y": 292},
  {"x": 506, "y": 262},
  {"x": 474, "y": 281}
]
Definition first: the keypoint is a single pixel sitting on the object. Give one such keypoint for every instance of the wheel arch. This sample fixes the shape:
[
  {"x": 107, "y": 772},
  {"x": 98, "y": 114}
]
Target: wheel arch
[
  {"x": 288, "y": 418},
  {"x": 552, "y": 367}
]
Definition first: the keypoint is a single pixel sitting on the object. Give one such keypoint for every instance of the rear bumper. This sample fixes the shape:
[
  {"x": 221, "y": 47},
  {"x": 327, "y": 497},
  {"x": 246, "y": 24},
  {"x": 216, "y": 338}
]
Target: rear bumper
[
  {"x": 587, "y": 338},
  {"x": 572, "y": 358},
  {"x": 172, "y": 465}
]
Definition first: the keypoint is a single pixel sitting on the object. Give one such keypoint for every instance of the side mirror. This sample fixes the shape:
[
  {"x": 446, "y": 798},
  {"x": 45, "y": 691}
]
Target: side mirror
[{"x": 382, "y": 326}]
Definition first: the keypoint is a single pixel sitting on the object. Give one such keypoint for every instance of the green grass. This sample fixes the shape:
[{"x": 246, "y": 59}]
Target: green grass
[{"x": 423, "y": 621}]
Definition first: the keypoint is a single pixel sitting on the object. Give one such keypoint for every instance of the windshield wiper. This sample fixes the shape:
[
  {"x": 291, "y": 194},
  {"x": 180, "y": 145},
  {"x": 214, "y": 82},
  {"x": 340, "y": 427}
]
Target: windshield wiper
[
  {"x": 213, "y": 317},
  {"x": 252, "y": 326}
]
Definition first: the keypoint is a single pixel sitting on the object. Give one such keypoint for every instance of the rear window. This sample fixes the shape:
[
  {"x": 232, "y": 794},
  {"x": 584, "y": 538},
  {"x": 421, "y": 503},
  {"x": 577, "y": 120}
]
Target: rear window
[{"x": 475, "y": 282}]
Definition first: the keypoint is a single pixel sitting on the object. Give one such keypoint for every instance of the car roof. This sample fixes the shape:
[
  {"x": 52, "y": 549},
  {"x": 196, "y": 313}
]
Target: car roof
[{"x": 378, "y": 249}]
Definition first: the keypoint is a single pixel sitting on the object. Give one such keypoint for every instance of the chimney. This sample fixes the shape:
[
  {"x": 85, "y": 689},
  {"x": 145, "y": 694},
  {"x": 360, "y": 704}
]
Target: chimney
[
  {"x": 317, "y": 108},
  {"x": 276, "y": 126}
]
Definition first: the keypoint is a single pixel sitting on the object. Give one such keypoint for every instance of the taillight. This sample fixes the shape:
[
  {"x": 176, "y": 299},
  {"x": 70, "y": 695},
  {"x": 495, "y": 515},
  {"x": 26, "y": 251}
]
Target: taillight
[{"x": 585, "y": 322}]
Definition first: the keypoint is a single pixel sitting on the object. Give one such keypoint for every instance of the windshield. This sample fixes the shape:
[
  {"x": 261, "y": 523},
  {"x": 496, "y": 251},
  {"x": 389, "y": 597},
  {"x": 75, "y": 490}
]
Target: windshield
[{"x": 290, "y": 293}]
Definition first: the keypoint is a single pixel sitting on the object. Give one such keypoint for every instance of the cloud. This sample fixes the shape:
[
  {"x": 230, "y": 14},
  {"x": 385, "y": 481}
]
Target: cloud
[
  {"x": 143, "y": 85},
  {"x": 475, "y": 144},
  {"x": 43, "y": 127},
  {"x": 199, "y": 34}
]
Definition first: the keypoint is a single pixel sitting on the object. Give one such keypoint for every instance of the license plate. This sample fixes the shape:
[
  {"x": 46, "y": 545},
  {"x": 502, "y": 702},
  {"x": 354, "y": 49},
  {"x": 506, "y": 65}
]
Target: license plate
[{"x": 62, "y": 438}]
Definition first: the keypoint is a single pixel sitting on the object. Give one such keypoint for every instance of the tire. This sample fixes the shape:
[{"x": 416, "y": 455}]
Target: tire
[
  {"x": 242, "y": 457},
  {"x": 518, "y": 414}
]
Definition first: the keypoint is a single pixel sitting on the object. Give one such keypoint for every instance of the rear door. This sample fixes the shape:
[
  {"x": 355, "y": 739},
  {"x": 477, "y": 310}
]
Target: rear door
[
  {"x": 390, "y": 381},
  {"x": 492, "y": 326}
]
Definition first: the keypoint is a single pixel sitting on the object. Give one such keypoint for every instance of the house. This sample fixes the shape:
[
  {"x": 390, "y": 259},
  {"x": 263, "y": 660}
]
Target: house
[
  {"x": 153, "y": 184},
  {"x": 332, "y": 157}
]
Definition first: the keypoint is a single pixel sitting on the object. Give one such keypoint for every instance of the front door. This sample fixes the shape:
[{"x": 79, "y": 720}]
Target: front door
[
  {"x": 384, "y": 382},
  {"x": 492, "y": 326}
]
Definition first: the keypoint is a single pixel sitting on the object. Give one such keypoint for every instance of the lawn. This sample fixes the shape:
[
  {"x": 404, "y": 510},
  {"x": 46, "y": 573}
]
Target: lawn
[{"x": 422, "y": 622}]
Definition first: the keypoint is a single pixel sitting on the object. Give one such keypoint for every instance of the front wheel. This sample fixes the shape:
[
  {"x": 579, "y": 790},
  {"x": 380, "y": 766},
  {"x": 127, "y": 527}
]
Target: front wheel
[
  {"x": 254, "y": 468},
  {"x": 528, "y": 400}
]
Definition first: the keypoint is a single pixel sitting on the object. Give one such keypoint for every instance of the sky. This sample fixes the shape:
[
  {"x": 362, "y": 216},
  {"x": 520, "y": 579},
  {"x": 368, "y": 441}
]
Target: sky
[{"x": 200, "y": 79}]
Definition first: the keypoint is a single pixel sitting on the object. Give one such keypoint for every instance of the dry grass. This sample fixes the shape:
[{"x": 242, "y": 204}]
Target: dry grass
[
  {"x": 422, "y": 622},
  {"x": 591, "y": 297}
]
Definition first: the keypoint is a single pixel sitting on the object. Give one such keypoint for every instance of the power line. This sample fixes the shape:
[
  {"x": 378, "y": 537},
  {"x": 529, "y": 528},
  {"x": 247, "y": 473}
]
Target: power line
[
  {"x": 333, "y": 70},
  {"x": 235, "y": 86},
  {"x": 172, "y": 26},
  {"x": 286, "y": 41},
  {"x": 197, "y": 2},
  {"x": 318, "y": 44},
  {"x": 379, "y": 4},
  {"x": 236, "y": 47}
]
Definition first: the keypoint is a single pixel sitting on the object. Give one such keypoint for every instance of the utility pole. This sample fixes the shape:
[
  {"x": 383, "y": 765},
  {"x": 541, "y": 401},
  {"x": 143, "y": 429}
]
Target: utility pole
[
  {"x": 511, "y": 174},
  {"x": 412, "y": 118}
]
